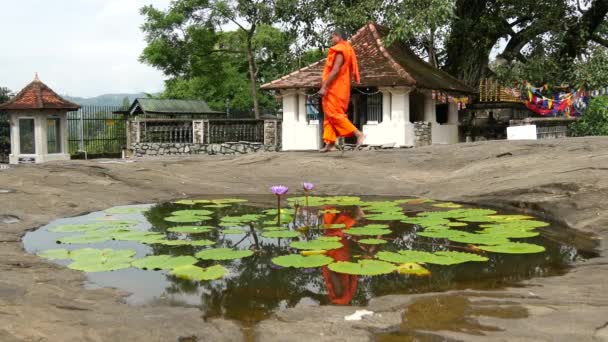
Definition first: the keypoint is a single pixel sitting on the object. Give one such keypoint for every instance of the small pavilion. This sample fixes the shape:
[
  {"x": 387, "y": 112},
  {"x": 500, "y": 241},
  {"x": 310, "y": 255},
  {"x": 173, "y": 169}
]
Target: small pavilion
[
  {"x": 397, "y": 89},
  {"x": 38, "y": 124}
]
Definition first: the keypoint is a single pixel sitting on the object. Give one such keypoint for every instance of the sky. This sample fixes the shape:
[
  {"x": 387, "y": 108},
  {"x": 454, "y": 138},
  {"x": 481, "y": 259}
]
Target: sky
[{"x": 79, "y": 48}]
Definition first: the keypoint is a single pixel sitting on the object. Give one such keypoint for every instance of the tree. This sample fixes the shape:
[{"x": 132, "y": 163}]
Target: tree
[
  {"x": 126, "y": 103},
  {"x": 5, "y": 94},
  {"x": 187, "y": 41},
  {"x": 595, "y": 120}
]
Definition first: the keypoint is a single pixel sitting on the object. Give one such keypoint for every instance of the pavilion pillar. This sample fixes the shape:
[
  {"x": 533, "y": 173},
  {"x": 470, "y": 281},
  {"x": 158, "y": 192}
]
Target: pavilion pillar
[
  {"x": 430, "y": 109},
  {"x": 452, "y": 113},
  {"x": 395, "y": 128}
]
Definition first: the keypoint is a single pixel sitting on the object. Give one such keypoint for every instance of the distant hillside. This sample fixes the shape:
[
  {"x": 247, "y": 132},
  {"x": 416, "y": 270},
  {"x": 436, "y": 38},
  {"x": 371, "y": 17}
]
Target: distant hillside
[{"x": 104, "y": 100}]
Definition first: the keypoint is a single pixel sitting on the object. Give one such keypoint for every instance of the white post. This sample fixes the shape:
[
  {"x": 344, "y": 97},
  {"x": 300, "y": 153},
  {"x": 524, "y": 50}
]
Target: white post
[
  {"x": 63, "y": 128},
  {"x": 302, "y": 107},
  {"x": 15, "y": 139},
  {"x": 452, "y": 113},
  {"x": 400, "y": 116},
  {"x": 430, "y": 109},
  {"x": 290, "y": 118},
  {"x": 40, "y": 125},
  {"x": 386, "y": 104}
]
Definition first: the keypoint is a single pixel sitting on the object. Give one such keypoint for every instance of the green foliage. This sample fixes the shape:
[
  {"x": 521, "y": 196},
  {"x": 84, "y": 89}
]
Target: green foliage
[
  {"x": 191, "y": 272},
  {"x": 101, "y": 260},
  {"x": 55, "y": 254},
  {"x": 372, "y": 241},
  {"x": 514, "y": 248},
  {"x": 223, "y": 254},
  {"x": 439, "y": 258},
  {"x": 594, "y": 121}
]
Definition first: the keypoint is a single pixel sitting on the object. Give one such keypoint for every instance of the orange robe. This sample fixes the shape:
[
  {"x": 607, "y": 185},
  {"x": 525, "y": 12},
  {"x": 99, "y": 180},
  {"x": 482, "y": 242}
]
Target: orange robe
[
  {"x": 337, "y": 98},
  {"x": 347, "y": 283}
]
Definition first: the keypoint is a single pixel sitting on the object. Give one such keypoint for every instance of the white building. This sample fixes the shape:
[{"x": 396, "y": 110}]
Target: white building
[
  {"x": 397, "y": 89},
  {"x": 38, "y": 124}
]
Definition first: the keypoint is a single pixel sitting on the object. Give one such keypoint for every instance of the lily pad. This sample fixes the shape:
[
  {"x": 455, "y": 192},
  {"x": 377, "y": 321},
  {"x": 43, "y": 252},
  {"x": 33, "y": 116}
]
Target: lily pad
[
  {"x": 479, "y": 239},
  {"x": 190, "y": 229},
  {"x": 192, "y": 272},
  {"x": 373, "y": 241},
  {"x": 163, "y": 262},
  {"x": 334, "y": 226},
  {"x": 457, "y": 224},
  {"x": 187, "y": 219},
  {"x": 55, "y": 254},
  {"x": 85, "y": 239},
  {"x": 522, "y": 224},
  {"x": 439, "y": 258},
  {"x": 441, "y": 233},
  {"x": 367, "y": 231},
  {"x": 281, "y": 234},
  {"x": 510, "y": 233},
  {"x": 363, "y": 267},
  {"x": 316, "y": 245},
  {"x": 241, "y": 219},
  {"x": 233, "y": 231},
  {"x": 449, "y": 205},
  {"x": 414, "y": 201},
  {"x": 126, "y": 210},
  {"x": 273, "y": 229},
  {"x": 223, "y": 254},
  {"x": 196, "y": 243},
  {"x": 102, "y": 260},
  {"x": 217, "y": 206},
  {"x": 299, "y": 261},
  {"x": 191, "y": 202},
  {"x": 192, "y": 213},
  {"x": 284, "y": 211},
  {"x": 93, "y": 226},
  {"x": 229, "y": 201},
  {"x": 514, "y": 248},
  {"x": 412, "y": 268},
  {"x": 329, "y": 238},
  {"x": 396, "y": 216},
  {"x": 136, "y": 236}
]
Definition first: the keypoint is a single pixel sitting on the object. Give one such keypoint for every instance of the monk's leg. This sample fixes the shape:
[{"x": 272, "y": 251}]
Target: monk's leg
[
  {"x": 329, "y": 136},
  {"x": 345, "y": 128}
]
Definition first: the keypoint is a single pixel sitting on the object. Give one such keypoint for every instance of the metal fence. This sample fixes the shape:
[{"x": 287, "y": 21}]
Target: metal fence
[
  {"x": 166, "y": 132},
  {"x": 226, "y": 130},
  {"x": 97, "y": 131},
  {"x": 5, "y": 138},
  {"x": 374, "y": 107}
]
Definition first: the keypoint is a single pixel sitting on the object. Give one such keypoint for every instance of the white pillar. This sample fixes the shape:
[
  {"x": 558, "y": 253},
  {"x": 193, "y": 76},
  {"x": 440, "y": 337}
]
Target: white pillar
[
  {"x": 65, "y": 147},
  {"x": 14, "y": 122},
  {"x": 400, "y": 104},
  {"x": 301, "y": 107},
  {"x": 386, "y": 104},
  {"x": 40, "y": 125},
  {"x": 452, "y": 113},
  {"x": 290, "y": 118},
  {"x": 430, "y": 109}
]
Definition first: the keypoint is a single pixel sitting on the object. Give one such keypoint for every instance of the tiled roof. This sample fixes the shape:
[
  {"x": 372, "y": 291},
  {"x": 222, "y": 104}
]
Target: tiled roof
[
  {"x": 169, "y": 106},
  {"x": 38, "y": 95},
  {"x": 379, "y": 66}
]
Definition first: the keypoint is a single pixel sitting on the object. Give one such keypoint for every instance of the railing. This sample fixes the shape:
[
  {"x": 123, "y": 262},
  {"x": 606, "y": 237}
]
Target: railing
[
  {"x": 374, "y": 107},
  {"x": 226, "y": 130},
  {"x": 166, "y": 132},
  {"x": 492, "y": 91},
  {"x": 96, "y": 130}
]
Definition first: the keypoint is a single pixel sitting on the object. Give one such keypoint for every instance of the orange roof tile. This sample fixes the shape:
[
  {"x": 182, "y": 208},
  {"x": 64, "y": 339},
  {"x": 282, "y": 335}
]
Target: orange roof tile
[{"x": 38, "y": 95}]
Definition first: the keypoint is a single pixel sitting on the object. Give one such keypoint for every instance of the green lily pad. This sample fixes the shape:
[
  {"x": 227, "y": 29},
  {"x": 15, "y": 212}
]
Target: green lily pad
[
  {"x": 93, "y": 226},
  {"x": 55, "y": 254},
  {"x": 284, "y": 211},
  {"x": 414, "y": 201},
  {"x": 241, "y": 219},
  {"x": 233, "y": 231},
  {"x": 397, "y": 216},
  {"x": 281, "y": 234},
  {"x": 457, "y": 224},
  {"x": 223, "y": 254},
  {"x": 510, "y": 233},
  {"x": 329, "y": 238},
  {"x": 101, "y": 260},
  {"x": 217, "y": 206},
  {"x": 441, "y": 233},
  {"x": 163, "y": 262},
  {"x": 126, "y": 210},
  {"x": 426, "y": 221},
  {"x": 196, "y": 243},
  {"x": 439, "y": 258},
  {"x": 191, "y": 202},
  {"x": 187, "y": 219},
  {"x": 274, "y": 229},
  {"x": 85, "y": 239},
  {"x": 299, "y": 261},
  {"x": 315, "y": 245},
  {"x": 523, "y": 224},
  {"x": 190, "y": 229},
  {"x": 363, "y": 267},
  {"x": 192, "y": 213},
  {"x": 514, "y": 248},
  {"x": 373, "y": 241},
  {"x": 229, "y": 201},
  {"x": 479, "y": 239},
  {"x": 330, "y": 211},
  {"x": 136, "y": 236},
  {"x": 192, "y": 272},
  {"x": 477, "y": 219},
  {"x": 334, "y": 226},
  {"x": 508, "y": 218},
  {"x": 367, "y": 231}
]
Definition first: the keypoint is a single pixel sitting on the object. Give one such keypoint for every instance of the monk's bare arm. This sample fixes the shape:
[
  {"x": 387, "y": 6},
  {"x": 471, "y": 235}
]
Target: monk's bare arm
[{"x": 333, "y": 74}]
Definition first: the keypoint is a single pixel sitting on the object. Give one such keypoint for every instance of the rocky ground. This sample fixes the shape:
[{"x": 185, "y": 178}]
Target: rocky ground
[{"x": 561, "y": 179}]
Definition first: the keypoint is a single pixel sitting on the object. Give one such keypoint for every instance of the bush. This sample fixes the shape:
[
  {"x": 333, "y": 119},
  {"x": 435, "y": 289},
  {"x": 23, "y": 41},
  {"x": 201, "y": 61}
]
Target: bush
[{"x": 594, "y": 121}]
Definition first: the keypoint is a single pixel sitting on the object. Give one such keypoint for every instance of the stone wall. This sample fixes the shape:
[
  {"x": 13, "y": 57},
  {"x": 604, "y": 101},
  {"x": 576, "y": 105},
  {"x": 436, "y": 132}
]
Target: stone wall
[
  {"x": 170, "y": 149},
  {"x": 422, "y": 133},
  {"x": 272, "y": 134}
]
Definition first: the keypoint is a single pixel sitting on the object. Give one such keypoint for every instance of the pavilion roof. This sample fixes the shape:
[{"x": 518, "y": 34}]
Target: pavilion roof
[
  {"x": 380, "y": 66},
  {"x": 38, "y": 96}
]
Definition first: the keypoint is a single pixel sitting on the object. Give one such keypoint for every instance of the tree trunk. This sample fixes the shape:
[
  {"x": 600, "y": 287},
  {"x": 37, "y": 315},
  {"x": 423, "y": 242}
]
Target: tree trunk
[
  {"x": 471, "y": 40},
  {"x": 580, "y": 33},
  {"x": 431, "y": 50},
  {"x": 253, "y": 73}
]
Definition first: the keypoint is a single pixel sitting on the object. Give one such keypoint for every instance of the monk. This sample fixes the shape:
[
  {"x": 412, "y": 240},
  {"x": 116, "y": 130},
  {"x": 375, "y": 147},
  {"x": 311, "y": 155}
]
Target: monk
[
  {"x": 340, "y": 68},
  {"x": 341, "y": 288}
]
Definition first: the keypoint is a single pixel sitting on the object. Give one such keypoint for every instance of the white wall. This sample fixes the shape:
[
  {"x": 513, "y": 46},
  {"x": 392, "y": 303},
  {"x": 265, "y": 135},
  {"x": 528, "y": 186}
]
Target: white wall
[
  {"x": 395, "y": 127},
  {"x": 297, "y": 134},
  {"x": 40, "y": 133}
]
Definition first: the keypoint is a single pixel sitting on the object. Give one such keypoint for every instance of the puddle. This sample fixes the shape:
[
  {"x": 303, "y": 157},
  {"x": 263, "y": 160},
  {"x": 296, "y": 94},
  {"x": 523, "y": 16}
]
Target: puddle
[{"x": 254, "y": 287}]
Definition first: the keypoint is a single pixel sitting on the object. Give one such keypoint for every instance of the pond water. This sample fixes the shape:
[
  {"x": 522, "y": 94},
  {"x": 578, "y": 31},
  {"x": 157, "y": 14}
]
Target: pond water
[{"x": 374, "y": 236}]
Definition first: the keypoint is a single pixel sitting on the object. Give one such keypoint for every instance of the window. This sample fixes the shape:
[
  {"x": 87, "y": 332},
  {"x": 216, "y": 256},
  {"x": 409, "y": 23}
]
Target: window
[
  {"x": 312, "y": 107},
  {"x": 374, "y": 108},
  {"x": 27, "y": 136},
  {"x": 53, "y": 134}
]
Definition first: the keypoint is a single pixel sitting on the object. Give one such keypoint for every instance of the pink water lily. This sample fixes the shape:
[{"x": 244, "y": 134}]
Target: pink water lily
[
  {"x": 308, "y": 186},
  {"x": 279, "y": 190}
]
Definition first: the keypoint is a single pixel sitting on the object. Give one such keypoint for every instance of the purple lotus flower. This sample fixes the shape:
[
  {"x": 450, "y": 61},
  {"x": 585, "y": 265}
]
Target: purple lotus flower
[
  {"x": 279, "y": 190},
  {"x": 308, "y": 186}
]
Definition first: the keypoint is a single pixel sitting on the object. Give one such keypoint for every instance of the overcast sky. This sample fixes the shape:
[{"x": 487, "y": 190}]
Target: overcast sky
[{"x": 79, "y": 47}]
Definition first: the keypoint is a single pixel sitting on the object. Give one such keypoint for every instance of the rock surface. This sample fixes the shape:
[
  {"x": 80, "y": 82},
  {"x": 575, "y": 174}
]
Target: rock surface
[{"x": 561, "y": 179}]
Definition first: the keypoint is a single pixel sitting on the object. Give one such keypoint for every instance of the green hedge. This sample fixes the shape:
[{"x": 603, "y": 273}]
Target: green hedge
[{"x": 594, "y": 121}]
